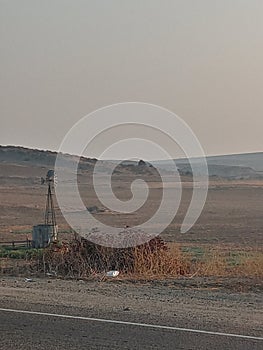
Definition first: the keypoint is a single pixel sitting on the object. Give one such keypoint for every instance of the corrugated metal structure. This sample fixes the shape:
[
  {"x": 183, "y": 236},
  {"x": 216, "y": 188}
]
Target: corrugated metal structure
[{"x": 42, "y": 235}]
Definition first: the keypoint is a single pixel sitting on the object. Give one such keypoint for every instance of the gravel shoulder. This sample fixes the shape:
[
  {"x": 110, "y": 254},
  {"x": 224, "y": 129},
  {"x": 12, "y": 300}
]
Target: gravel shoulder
[{"x": 180, "y": 303}]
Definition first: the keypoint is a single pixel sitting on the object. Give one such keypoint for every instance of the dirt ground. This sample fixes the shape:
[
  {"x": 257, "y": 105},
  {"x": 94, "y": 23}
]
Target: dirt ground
[{"x": 232, "y": 214}]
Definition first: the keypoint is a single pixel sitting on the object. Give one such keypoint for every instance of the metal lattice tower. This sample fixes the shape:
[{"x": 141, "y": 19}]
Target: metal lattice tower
[{"x": 50, "y": 216}]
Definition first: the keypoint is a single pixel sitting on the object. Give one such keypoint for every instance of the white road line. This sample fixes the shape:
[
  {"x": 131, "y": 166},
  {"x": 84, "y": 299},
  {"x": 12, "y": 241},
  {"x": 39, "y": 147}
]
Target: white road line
[{"x": 134, "y": 324}]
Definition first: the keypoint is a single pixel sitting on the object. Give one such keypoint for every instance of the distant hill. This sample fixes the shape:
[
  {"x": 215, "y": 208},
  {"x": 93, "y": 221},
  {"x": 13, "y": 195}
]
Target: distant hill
[
  {"x": 35, "y": 157},
  {"x": 249, "y": 160},
  {"x": 224, "y": 171},
  {"x": 247, "y": 165},
  {"x": 22, "y": 155},
  {"x": 20, "y": 162},
  {"x": 236, "y": 166}
]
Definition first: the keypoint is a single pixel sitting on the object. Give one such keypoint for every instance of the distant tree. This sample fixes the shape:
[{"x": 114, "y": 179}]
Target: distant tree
[{"x": 142, "y": 163}]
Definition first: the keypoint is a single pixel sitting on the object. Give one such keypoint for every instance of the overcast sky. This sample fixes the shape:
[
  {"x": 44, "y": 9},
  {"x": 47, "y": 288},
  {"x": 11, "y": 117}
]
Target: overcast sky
[{"x": 62, "y": 59}]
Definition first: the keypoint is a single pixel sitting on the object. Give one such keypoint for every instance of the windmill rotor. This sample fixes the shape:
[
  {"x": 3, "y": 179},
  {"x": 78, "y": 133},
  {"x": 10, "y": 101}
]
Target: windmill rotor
[{"x": 51, "y": 177}]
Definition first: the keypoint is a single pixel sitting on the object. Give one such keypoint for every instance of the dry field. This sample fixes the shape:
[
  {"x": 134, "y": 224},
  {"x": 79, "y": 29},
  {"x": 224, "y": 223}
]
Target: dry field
[
  {"x": 232, "y": 214},
  {"x": 226, "y": 240}
]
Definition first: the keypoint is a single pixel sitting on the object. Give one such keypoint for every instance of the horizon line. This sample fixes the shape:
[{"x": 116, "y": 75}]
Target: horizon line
[{"x": 108, "y": 159}]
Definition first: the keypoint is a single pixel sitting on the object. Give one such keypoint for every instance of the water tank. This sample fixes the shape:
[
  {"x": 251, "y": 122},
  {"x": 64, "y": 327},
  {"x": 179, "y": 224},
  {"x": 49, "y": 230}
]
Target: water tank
[{"x": 42, "y": 235}]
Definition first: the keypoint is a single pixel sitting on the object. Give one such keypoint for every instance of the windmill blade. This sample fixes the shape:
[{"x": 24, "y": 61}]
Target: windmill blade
[{"x": 55, "y": 179}]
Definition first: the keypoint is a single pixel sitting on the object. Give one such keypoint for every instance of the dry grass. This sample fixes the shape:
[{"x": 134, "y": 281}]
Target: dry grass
[
  {"x": 165, "y": 263},
  {"x": 252, "y": 265},
  {"x": 155, "y": 260},
  {"x": 232, "y": 263},
  {"x": 214, "y": 262}
]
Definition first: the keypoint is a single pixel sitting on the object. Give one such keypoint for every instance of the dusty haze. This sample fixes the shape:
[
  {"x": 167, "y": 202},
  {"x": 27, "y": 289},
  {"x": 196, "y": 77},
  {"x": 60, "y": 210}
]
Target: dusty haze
[{"x": 201, "y": 59}]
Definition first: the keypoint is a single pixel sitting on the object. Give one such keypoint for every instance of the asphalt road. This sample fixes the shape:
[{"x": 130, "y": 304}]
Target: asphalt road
[{"x": 43, "y": 331}]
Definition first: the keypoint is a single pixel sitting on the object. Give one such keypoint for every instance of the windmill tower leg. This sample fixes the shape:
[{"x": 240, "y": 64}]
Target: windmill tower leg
[{"x": 50, "y": 216}]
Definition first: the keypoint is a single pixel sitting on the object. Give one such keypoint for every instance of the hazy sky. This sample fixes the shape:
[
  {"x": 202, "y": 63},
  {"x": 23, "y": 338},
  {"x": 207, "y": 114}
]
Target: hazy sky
[{"x": 202, "y": 59}]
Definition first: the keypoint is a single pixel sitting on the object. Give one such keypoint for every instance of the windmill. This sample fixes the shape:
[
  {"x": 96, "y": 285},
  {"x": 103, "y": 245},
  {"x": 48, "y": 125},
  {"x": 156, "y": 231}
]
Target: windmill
[
  {"x": 50, "y": 216},
  {"x": 44, "y": 234}
]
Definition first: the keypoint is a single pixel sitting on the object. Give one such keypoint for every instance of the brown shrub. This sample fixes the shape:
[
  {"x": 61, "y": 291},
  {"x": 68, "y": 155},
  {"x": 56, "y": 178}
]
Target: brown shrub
[
  {"x": 79, "y": 258},
  {"x": 82, "y": 258}
]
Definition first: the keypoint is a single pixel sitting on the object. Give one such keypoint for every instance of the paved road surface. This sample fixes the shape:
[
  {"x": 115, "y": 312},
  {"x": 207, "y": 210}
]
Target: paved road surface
[{"x": 42, "y": 331}]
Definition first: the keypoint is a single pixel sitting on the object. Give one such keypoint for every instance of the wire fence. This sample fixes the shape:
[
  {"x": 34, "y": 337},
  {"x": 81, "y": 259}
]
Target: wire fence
[{"x": 17, "y": 244}]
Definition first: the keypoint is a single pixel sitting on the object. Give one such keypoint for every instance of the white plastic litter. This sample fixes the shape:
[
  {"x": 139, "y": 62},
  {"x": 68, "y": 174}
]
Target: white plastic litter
[
  {"x": 51, "y": 274},
  {"x": 113, "y": 273},
  {"x": 28, "y": 280}
]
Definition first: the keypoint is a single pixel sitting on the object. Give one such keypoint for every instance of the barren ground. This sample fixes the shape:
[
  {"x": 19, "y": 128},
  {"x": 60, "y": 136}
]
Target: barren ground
[{"x": 232, "y": 214}]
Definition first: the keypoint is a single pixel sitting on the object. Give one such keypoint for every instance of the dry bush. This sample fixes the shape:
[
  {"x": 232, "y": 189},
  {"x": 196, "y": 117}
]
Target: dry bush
[
  {"x": 170, "y": 262},
  {"x": 81, "y": 258}
]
